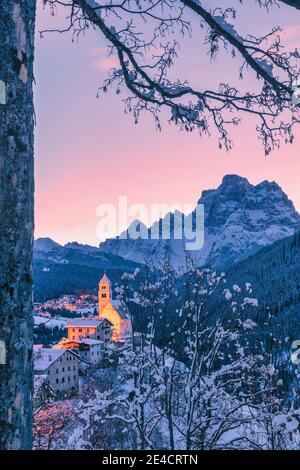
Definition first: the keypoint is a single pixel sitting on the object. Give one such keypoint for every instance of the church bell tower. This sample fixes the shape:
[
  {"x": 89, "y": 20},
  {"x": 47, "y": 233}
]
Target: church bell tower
[{"x": 104, "y": 294}]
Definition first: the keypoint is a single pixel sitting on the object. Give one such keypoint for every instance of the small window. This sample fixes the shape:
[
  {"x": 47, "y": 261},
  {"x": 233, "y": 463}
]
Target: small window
[
  {"x": 63, "y": 380},
  {"x": 69, "y": 368},
  {"x": 80, "y": 330},
  {"x": 74, "y": 377},
  {"x": 63, "y": 369},
  {"x": 57, "y": 381},
  {"x": 57, "y": 371},
  {"x": 103, "y": 296}
]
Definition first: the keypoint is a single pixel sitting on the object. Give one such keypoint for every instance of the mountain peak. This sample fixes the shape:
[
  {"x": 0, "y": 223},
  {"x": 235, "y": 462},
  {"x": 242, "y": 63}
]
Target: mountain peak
[
  {"x": 239, "y": 219},
  {"x": 45, "y": 244},
  {"x": 233, "y": 179}
]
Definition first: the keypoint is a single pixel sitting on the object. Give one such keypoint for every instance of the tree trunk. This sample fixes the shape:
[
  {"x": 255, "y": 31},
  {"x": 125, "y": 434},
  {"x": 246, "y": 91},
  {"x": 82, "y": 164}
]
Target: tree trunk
[{"x": 17, "y": 21}]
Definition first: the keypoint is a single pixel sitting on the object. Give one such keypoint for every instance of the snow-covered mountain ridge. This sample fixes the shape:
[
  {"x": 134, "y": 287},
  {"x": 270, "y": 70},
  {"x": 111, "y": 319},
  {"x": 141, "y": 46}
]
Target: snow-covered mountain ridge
[{"x": 239, "y": 219}]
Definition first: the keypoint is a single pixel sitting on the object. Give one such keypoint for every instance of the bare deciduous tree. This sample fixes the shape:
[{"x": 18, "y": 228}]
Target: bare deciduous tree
[{"x": 146, "y": 38}]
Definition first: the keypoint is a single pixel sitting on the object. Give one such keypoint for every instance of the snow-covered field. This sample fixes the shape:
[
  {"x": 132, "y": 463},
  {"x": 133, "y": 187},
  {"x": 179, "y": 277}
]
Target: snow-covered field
[{"x": 50, "y": 322}]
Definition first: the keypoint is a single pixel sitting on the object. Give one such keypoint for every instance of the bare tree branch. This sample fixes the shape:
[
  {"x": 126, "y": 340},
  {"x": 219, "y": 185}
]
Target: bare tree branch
[{"x": 146, "y": 58}]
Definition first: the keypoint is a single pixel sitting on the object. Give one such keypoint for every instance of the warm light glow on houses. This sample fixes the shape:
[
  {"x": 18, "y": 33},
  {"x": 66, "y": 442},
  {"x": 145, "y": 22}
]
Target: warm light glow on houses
[{"x": 96, "y": 328}]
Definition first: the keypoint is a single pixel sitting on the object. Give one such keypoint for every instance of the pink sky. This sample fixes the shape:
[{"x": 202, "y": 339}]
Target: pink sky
[{"x": 88, "y": 152}]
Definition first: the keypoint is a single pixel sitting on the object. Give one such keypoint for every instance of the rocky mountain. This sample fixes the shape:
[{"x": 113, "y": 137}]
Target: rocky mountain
[
  {"x": 72, "y": 268},
  {"x": 239, "y": 219}
]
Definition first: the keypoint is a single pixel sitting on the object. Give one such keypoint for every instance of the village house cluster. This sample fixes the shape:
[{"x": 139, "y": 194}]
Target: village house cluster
[
  {"x": 88, "y": 342},
  {"x": 83, "y": 303}
]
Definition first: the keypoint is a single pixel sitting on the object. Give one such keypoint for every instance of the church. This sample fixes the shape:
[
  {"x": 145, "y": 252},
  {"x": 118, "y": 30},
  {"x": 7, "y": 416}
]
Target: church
[{"x": 115, "y": 311}]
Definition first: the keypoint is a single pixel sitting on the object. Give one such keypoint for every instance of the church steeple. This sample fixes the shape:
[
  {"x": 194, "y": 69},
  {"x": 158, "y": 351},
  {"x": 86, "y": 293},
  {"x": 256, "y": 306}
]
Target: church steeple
[{"x": 104, "y": 293}]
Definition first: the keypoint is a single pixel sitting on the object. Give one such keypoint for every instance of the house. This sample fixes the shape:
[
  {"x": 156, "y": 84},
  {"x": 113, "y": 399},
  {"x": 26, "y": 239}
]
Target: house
[
  {"x": 61, "y": 368},
  {"x": 115, "y": 311},
  {"x": 90, "y": 350},
  {"x": 100, "y": 329}
]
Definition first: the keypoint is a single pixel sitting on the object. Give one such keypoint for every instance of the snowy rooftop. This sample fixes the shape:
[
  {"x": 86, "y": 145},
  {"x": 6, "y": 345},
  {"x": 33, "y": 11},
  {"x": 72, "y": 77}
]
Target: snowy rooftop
[
  {"x": 105, "y": 279},
  {"x": 121, "y": 308},
  {"x": 86, "y": 322},
  {"x": 90, "y": 341},
  {"x": 82, "y": 341},
  {"x": 44, "y": 357}
]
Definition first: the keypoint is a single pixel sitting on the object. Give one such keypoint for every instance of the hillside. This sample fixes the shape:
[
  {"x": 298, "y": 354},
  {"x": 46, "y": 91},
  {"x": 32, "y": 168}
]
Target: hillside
[{"x": 72, "y": 268}]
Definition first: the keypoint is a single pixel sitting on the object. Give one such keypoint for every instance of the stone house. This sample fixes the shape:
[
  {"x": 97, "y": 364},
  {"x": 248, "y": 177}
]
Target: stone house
[
  {"x": 61, "y": 368},
  {"x": 99, "y": 329},
  {"x": 89, "y": 349}
]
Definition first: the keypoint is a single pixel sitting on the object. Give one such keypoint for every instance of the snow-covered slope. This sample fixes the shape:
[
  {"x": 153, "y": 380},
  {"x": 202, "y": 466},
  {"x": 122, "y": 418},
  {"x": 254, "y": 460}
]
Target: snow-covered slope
[{"x": 240, "y": 218}]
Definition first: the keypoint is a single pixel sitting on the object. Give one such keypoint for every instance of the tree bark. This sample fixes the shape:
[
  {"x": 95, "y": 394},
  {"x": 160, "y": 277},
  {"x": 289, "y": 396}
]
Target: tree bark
[{"x": 17, "y": 21}]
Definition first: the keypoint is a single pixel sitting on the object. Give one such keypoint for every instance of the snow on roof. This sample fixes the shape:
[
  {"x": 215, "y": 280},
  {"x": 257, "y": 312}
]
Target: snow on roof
[
  {"x": 92, "y": 322},
  {"x": 121, "y": 308},
  {"x": 45, "y": 357},
  {"x": 90, "y": 341},
  {"x": 81, "y": 341},
  {"x": 105, "y": 279}
]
